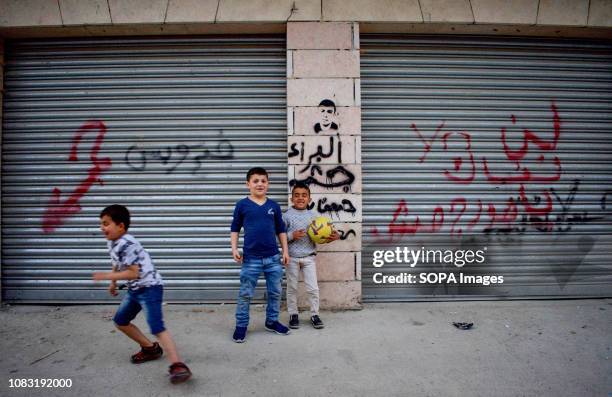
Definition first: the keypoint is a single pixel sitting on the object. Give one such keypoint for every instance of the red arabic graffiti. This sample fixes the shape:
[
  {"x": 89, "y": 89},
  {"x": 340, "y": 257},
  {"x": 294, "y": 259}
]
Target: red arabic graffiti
[
  {"x": 464, "y": 171},
  {"x": 56, "y": 213},
  {"x": 516, "y": 156},
  {"x": 458, "y": 161},
  {"x": 425, "y": 141},
  {"x": 400, "y": 227}
]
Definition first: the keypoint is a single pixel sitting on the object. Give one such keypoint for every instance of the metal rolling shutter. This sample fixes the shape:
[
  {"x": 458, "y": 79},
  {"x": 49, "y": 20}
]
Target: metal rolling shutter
[
  {"x": 181, "y": 120},
  {"x": 542, "y": 205}
]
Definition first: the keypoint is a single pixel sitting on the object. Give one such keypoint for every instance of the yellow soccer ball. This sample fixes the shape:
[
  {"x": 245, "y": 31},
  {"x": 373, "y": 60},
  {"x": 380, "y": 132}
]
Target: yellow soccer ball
[{"x": 320, "y": 229}]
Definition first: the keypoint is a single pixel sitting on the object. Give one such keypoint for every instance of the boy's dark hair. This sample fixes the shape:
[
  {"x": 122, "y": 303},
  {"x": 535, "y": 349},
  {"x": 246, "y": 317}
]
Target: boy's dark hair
[
  {"x": 118, "y": 213},
  {"x": 328, "y": 103},
  {"x": 300, "y": 185},
  {"x": 256, "y": 171}
]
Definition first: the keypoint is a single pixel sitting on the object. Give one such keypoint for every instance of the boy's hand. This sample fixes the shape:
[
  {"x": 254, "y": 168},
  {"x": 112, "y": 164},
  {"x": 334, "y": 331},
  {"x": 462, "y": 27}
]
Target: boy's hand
[
  {"x": 285, "y": 259},
  {"x": 99, "y": 276},
  {"x": 237, "y": 256},
  {"x": 332, "y": 237},
  {"x": 298, "y": 234},
  {"x": 112, "y": 289}
]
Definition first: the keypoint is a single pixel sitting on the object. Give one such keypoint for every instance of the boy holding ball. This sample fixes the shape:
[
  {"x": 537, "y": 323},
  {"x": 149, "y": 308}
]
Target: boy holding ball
[{"x": 302, "y": 252}]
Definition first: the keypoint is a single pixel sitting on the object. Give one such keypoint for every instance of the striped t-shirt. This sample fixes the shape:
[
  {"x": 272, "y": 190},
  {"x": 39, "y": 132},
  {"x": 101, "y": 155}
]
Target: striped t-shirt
[{"x": 127, "y": 251}]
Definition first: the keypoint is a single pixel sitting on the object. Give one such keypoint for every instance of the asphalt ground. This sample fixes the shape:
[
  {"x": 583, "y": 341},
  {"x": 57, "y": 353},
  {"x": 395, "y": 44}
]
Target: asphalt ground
[{"x": 515, "y": 348}]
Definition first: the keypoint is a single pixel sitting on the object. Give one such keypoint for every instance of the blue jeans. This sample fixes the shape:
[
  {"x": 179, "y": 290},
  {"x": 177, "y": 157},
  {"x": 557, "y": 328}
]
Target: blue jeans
[
  {"x": 148, "y": 297},
  {"x": 251, "y": 269}
]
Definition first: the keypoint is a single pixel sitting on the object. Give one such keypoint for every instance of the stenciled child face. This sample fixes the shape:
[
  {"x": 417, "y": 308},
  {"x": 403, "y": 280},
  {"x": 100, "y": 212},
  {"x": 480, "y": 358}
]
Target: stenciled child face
[
  {"x": 327, "y": 116},
  {"x": 300, "y": 198},
  {"x": 111, "y": 230},
  {"x": 258, "y": 185}
]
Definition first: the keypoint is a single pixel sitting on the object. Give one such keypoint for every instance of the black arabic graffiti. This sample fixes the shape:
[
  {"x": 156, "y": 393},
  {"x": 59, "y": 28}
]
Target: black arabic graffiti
[
  {"x": 334, "y": 208},
  {"x": 563, "y": 222},
  {"x": 173, "y": 156},
  {"x": 344, "y": 235},
  {"x": 345, "y": 183},
  {"x": 318, "y": 155}
]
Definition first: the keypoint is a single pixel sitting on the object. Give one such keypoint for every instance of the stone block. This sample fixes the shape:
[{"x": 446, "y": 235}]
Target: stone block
[
  {"x": 310, "y": 92},
  {"x": 305, "y": 10},
  {"x": 315, "y": 150},
  {"x": 563, "y": 12},
  {"x": 334, "y": 178},
  {"x": 346, "y": 119},
  {"x": 368, "y": 11},
  {"x": 137, "y": 11},
  {"x": 191, "y": 11},
  {"x": 268, "y": 10},
  {"x": 487, "y": 29},
  {"x": 337, "y": 207},
  {"x": 600, "y": 13},
  {"x": 16, "y": 13},
  {"x": 356, "y": 44},
  {"x": 505, "y": 11},
  {"x": 456, "y": 11},
  {"x": 319, "y": 36},
  {"x": 336, "y": 266},
  {"x": 325, "y": 63},
  {"x": 290, "y": 120},
  {"x": 289, "y": 64},
  {"x": 331, "y": 295},
  {"x": 340, "y": 295},
  {"x": 85, "y": 12},
  {"x": 350, "y": 238},
  {"x": 334, "y": 291}
]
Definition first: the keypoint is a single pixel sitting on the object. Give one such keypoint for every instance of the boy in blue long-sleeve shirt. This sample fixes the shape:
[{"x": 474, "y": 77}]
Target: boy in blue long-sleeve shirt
[{"x": 262, "y": 221}]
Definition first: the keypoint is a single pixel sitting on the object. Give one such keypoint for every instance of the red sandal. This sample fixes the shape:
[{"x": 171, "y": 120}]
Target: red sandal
[
  {"x": 179, "y": 373},
  {"x": 147, "y": 354}
]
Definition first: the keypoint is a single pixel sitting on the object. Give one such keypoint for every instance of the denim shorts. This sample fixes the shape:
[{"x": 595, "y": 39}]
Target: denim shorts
[{"x": 148, "y": 297}]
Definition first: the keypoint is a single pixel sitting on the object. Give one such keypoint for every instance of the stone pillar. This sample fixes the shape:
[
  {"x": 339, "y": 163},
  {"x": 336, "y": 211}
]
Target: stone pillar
[{"x": 324, "y": 146}]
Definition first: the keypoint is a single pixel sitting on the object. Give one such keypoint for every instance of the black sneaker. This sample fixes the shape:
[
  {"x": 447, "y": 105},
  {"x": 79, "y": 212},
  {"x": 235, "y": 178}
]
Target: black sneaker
[
  {"x": 276, "y": 327},
  {"x": 239, "y": 334},
  {"x": 316, "y": 322},
  {"x": 294, "y": 321}
]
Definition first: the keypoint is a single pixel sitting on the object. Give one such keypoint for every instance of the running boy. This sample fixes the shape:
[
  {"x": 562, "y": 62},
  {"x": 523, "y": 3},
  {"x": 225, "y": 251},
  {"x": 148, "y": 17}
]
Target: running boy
[
  {"x": 302, "y": 252},
  {"x": 262, "y": 220},
  {"x": 131, "y": 262}
]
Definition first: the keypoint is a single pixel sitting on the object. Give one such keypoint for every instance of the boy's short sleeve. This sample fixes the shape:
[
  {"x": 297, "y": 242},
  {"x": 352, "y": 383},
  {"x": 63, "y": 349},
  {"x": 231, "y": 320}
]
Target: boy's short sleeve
[
  {"x": 287, "y": 223},
  {"x": 237, "y": 219},
  {"x": 128, "y": 254},
  {"x": 279, "y": 224}
]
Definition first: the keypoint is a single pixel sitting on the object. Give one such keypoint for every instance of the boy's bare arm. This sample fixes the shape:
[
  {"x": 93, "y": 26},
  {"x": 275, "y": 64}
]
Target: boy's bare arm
[
  {"x": 235, "y": 252},
  {"x": 283, "y": 240},
  {"x": 131, "y": 273},
  {"x": 112, "y": 288}
]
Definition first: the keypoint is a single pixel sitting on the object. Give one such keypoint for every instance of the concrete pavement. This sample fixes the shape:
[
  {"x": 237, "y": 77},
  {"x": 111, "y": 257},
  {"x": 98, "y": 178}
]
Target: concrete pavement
[{"x": 516, "y": 348}]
